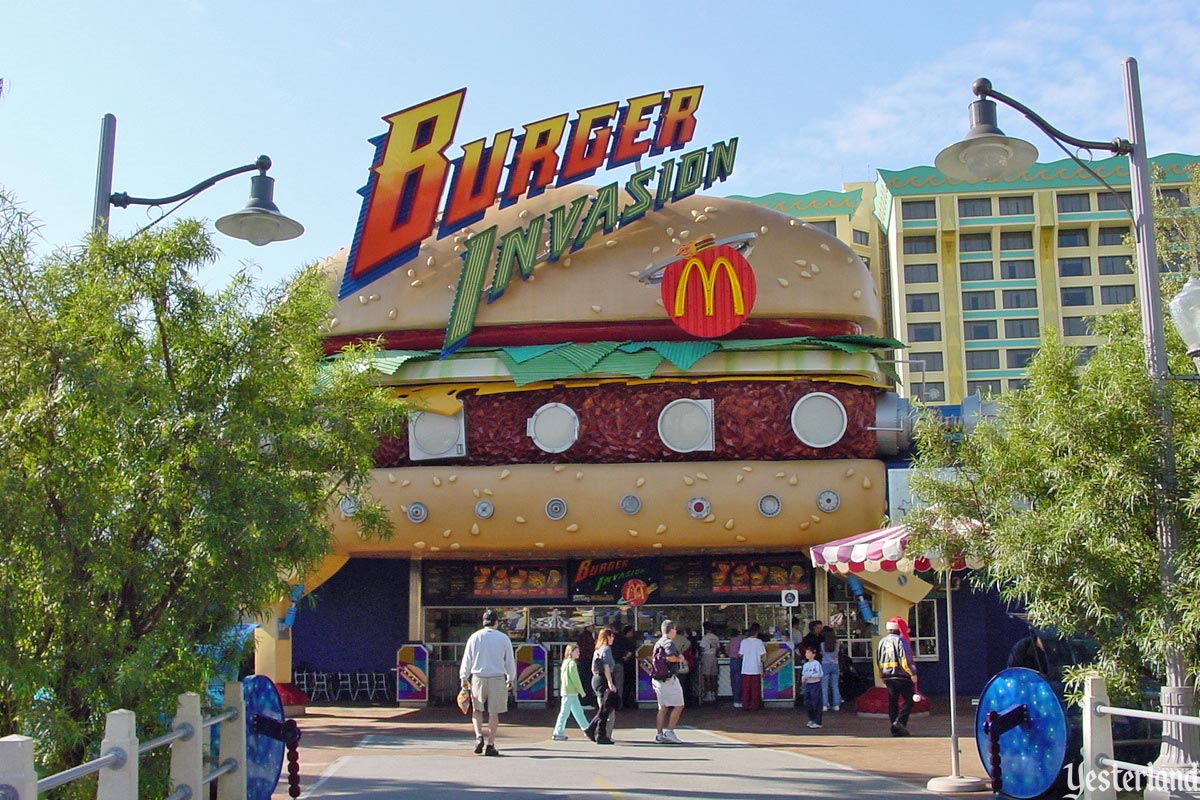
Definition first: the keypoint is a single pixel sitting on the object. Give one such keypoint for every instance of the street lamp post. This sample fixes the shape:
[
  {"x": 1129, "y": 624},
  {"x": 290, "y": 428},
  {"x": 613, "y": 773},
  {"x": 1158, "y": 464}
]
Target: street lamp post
[
  {"x": 987, "y": 154},
  {"x": 259, "y": 223}
]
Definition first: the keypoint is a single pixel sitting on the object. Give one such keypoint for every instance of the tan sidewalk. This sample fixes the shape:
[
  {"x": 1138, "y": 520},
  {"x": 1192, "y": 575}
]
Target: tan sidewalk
[{"x": 861, "y": 743}]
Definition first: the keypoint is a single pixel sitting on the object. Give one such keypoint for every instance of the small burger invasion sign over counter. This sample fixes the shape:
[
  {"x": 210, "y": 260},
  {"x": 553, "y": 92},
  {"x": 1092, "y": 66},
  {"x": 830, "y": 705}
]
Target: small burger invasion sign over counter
[{"x": 415, "y": 189}]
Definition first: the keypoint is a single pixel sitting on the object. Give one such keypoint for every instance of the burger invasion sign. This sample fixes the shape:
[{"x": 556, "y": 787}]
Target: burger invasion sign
[{"x": 416, "y": 189}]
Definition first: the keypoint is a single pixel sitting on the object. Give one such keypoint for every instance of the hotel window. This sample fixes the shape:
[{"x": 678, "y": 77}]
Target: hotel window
[
  {"x": 1112, "y": 201},
  {"x": 975, "y": 206},
  {"x": 1015, "y": 384},
  {"x": 980, "y": 329},
  {"x": 975, "y": 271},
  {"x": 1113, "y": 236},
  {"x": 1010, "y": 206},
  {"x": 919, "y": 303},
  {"x": 1116, "y": 295},
  {"x": 930, "y": 392},
  {"x": 1077, "y": 296},
  {"x": 978, "y": 301},
  {"x": 985, "y": 388},
  {"x": 918, "y": 209},
  {"x": 924, "y": 332},
  {"x": 1071, "y": 203},
  {"x": 1076, "y": 326},
  {"x": 1019, "y": 358},
  {"x": 914, "y": 245},
  {"x": 1074, "y": 267},
  {"x": 1174, "y": 196},
  {"x": 827, "y": 225},
  {"x": 1073, "y": 237},
  {"x": 1016, "y": 240},
  {"x": 1020, "y": 298},
  {"x": 1021, "y": 329},
  {"x": 933, "y": 362},
  {"x": 974, "y": 242},
  {"x": 920, "y": 273},
  {"x": 1018, "y": 269},
  {"x": 983, "y": 359},
  {"x": 1115, "y": 265},
  {"x": 861, "y": 237}
]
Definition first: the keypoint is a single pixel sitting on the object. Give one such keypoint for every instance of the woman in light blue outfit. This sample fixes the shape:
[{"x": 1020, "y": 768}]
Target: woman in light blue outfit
[
  {"x": 571, "y": 688},
  {"x": 831, "y": 651}
]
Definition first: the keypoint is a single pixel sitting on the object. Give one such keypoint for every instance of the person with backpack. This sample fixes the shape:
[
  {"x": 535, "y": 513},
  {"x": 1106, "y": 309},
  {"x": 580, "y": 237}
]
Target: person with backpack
[
  {"x": 664, "y": 664},
  {"x": 898, "y": 668}
]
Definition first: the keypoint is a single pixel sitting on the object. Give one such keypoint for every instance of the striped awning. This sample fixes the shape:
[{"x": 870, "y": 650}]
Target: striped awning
[{"x": 882, "y": 550}]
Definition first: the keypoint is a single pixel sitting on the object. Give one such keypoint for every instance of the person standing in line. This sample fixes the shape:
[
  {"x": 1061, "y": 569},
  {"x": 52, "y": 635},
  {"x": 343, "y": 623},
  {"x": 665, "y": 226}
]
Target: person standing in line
[
  {"x": 754, "y": 653},
  {"x": 709, "y": 645},
  {"x": 667, "y": 688},
  {"x": 734, "y": 651},
  {"x": 629, "y": 691},
  {"x": 605, "y": 688},
  {"x": 587, "y": 647},
  {"x": 810, "y": 680},
  {"x": 813, "y": 638},
  {"x": 831, "y": 652},
  {"x": 571, "y": 688},
  {"x": 621, "y": 661},
  {"x": 897, "y": 667},
  {"x": 489, "y": 670}
]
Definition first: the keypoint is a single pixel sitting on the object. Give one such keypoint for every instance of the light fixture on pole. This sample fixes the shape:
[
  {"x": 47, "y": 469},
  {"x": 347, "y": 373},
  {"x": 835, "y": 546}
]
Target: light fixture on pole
[
  {"x": 259, "y": 223},
  {"x": 989, "y": 155}
]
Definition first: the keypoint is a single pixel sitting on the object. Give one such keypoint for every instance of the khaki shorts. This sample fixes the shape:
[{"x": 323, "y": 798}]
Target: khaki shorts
[
  {"x": 490, "y": 695},
  {"x": 669, "y": 692}
]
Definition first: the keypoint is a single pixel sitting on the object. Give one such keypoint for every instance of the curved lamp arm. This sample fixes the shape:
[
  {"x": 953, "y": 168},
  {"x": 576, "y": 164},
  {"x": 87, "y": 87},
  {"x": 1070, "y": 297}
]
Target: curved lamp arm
[
  {"x": 123, "y": 200},
  {"x": 983, "y": 89}
]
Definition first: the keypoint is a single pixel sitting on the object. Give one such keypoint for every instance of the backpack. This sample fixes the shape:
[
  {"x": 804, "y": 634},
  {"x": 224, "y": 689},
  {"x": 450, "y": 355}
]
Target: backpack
[{"x": 660, "y": 668}]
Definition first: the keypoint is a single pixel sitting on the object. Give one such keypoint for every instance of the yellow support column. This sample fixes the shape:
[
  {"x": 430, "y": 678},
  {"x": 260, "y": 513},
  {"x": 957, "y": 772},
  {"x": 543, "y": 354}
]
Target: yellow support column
[{"x": 273, "y": 645}]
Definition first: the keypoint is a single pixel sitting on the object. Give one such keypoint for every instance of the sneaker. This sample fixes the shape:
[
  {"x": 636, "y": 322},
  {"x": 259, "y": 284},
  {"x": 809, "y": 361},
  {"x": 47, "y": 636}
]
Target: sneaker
[
  {"x": 671, "y": 737},
  {"x": 479, "y": 745},
  {"x": 837, "y": 708},
  {"x": 590, "y": 733},
  {"x": 661, "y": 738},
  {"x": 491, "y": 750},
  {"x": 737, "y": 705},
  {"x": 817, "y": 725},
  {"x": 826, "y": 708},
  {"x": 559, "y": 737},
  {"x": 900, "y": 730},
  {"x": 604, "y": 740}
]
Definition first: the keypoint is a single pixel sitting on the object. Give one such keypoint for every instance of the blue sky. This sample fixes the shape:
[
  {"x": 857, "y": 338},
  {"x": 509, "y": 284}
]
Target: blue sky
[{"x": 817, "y": 95}]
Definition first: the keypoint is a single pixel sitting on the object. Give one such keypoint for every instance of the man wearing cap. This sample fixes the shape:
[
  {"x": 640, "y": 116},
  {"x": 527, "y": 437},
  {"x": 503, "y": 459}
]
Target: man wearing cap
[
  {"x": 489, "y": 670},
  {"x": 897, "y": 667}
]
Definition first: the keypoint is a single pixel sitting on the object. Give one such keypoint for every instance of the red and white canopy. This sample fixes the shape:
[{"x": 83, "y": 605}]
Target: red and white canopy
[{"x": 879, "y": 550}]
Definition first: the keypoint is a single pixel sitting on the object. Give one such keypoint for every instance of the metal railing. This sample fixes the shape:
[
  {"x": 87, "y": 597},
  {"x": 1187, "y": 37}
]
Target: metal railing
[
  {"x": 118, "y": 763},
  {"x": 1098, "y": 777}
]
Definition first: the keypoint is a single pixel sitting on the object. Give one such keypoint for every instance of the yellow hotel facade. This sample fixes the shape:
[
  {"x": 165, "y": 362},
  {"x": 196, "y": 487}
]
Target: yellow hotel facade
[{"x": 973, "y": 275}]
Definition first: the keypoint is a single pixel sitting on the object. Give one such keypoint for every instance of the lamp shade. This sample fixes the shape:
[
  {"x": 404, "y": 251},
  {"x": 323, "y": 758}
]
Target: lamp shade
[
  {"x": 260, "y": 222},
  {"x": 1185, "y": 313},
  {"x": 985, "y": 154}
]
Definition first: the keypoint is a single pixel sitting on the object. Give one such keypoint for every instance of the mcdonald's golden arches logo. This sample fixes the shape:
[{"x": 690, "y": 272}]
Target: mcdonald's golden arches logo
[{"x": 709, "y": 292}]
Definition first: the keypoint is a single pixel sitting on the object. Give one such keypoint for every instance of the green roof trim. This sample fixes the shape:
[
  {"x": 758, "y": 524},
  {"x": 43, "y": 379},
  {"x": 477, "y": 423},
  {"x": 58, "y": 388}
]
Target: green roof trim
[
  {"x": 1063, "y": 174},
  {"x": 682, "y": 354},
  {"x": 523, "y": 354},
  {"x": 820, "y": 203}
]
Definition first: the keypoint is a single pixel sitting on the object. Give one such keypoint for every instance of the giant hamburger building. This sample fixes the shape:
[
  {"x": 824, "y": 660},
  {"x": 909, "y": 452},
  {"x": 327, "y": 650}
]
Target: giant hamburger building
[{"x": 632, "y": 399}]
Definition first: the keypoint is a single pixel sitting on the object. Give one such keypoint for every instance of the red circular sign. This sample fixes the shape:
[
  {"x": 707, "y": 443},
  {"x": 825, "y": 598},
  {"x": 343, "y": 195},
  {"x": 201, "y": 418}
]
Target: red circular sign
[
  {"x": 635, "y": 592},
  {"x": 709, "y": 293}
]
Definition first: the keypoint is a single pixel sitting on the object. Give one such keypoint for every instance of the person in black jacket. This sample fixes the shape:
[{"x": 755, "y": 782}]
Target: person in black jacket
[{"x": 1029, "y": 652}]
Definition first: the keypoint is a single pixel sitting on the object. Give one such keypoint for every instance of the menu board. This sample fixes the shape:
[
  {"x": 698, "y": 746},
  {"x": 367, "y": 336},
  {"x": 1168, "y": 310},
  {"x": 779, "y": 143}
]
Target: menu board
[
  {"x": 456, "y": 581},
  {"x": 735, "y": 577}
]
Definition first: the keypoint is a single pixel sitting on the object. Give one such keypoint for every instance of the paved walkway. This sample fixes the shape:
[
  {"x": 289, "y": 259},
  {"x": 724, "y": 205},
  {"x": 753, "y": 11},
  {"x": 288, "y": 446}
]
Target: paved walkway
[{"x": 386, "y": 753}]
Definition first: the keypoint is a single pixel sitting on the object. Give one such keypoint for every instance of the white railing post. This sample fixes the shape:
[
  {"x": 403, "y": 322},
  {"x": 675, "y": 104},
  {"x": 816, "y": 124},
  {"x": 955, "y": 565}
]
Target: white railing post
[
  {"x": 17, "y": 774},
  {"x": 187, "y": 755},
  {"x": 1097, "y": 742},
  {"x": 232, "y": 786},
  {"x": 120, "y": 782}
]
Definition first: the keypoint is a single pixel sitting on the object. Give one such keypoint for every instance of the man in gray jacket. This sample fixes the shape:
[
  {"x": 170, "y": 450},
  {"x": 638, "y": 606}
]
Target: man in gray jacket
[{"x": 489, "y": 670}]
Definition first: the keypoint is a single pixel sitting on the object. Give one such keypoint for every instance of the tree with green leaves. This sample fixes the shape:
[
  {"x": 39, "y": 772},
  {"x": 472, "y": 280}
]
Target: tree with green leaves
[
  {"x": 170, "y": 457},
  {"x": 1065, "y": 480}
]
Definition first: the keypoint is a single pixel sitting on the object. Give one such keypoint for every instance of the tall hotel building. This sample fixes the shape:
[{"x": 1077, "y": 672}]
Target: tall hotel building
[{"x": 973, "y": 275}]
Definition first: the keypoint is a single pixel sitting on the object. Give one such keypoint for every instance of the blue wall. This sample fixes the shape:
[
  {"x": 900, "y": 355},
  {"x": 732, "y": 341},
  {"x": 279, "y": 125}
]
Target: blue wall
[{"x": 355, "y": 620}]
